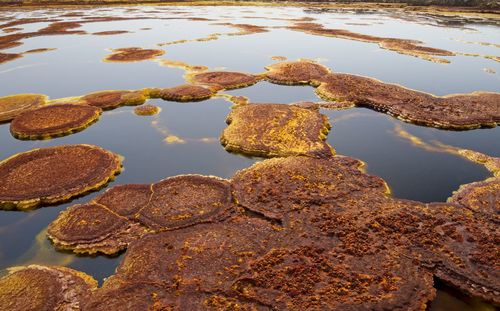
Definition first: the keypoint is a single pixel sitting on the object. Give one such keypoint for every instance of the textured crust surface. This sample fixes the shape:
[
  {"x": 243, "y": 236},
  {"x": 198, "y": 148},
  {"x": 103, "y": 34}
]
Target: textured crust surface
[
  {"x": 460, "y": 112},
  {"x": 133, "y": 296},
  {"x": 34, "y": 288},
  {"x": 207, "y": 255},
  {"x": 272, "y": 130},
  {"x": 296, "y": 73},
  {"x": 279, "y": 186},
  {"x": 312, "y": 278},
  {"x": 224, "y": 79},
  {"x": 461, "y": 249},
  {"x": 14, "y": 105},
  {"x": 92, "y": 228},
  {"x": 7, "y": 57},
  {"x": 147, "y": 110},
  {"x": 126, "y": 200},
  {"x": 56, "y": 174},
  {"x": 403, "y": 46},
  {"x": 53, "y": 120},
  {"x": 125, "y": 213},
  {"x": 482, "y": 197},
  {"x": 342, "y": 242},
  {"x": 349, "y": 212},
  {"x": 146, "y": 296},
  {"x": 186, "y": 200},
  {"x": 113, "y": 99},
  {"x": 457, "y": 112},
  {"x": 186, "y": 93},
  {"x": 133, "y": 54}
]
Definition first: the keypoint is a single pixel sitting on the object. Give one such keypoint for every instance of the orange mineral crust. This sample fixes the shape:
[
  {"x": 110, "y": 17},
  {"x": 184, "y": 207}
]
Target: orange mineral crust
[
  {"x": 458, "y": 112},
  {"x": 147, "y": 110},
  {"x": 133, "y": 54},
  {"x": 274, "y": 130},
  {"x": 186, "y": 93},
  {"x": 36, "y": 287},
  {"x": 291, "y": 230},
  {"x": 53, "y": 120},
  {"x": 133, "y": 210},
  {"x": 224, "y": 79},
  {"x": 107, "y": 100},
  {"x": 56, "y": 174},
  {"x": 14, "y": 105},
  {"x": 403, "y": 46}
]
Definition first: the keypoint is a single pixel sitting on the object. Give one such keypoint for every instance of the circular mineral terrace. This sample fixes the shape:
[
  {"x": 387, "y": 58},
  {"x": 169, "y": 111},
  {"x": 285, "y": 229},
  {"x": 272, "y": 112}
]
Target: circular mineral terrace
[
  {"x": 92, "y": 228},
  {"x": 186, "y": 93},
  {"x": 297, "y": 182},
  {"x": 458, "y": 112},
  {"x": 313, "y": 278},
  {"x": 53, "y": 120},
  {"x": 12, "y": 106},
  {"x": 133, "y": 54},
  {"x": 147, "y": 110},
  {"x": 34, "y": 288},
  {"x": 126, "y": 200},
  {"x": 182, "y": 201},
  {"x": 107, "y": 100},
  {"x": 296, "y": 73},
  {"x": 209, "y": 254},
  {"x": 272, "y": 130},
  {"x": 224, "y": 79},
  {"x": 52, "y": 175}
]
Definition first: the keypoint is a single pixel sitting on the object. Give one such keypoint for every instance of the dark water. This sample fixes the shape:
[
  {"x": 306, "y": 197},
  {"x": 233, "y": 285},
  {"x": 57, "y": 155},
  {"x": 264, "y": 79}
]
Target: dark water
[{"x": 184, "y": 137}]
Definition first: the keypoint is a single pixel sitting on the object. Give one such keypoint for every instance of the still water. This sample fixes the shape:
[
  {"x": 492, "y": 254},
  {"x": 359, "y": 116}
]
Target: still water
[{"x": 76, "y": 68}]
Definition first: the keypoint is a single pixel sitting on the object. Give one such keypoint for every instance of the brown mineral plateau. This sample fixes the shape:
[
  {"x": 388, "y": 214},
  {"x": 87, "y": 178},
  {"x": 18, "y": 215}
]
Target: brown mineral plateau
[
  {"x": 133, "y": 54},
  {"x": 113, "y": 99},
  {"x": 55, "y": 28},
  {"x": 56, "y": 174},
  {"x": 273, "y": 130},
  {"x": 13, "y": 29},
  {"x": 9, "y": 44},
  {"x": 134, "y": 296},
  {"x": 186, "y": 93},
  {"x": 245, "y": 29},
  {"x": 482, "y": 197},
  {"x": 456, "y": 112},
  {"x": 53, "y": 120},
  {"x": 187, "y": 200},
  {"x": 110, "y": 32},
  {"x": 40, "y": 50},
  {"x": 92, "y": 228},
  {"x": 210, "y": 255},
  {"x": 315, "y": 278},
  {"x": 126, "y": 200},
  {"x": 147, "y": 110},
  {"x": 7, "y": 57},
  {"x": 403, "y": 46},
  {"x": 127, "y": 212},
  {"x": 296, "y": 73},
  {"x": 349, "y": 212},
  {"x": 305, "y": 228},
  {"x": 146, "y": 296},
  {"x": 14, "y": 105},
  {"x": 224, "y": 79},
  {"x": 36, "y": 287},
  {"x": 58, "y": 28},
  {"x": 296, "y": 182}
]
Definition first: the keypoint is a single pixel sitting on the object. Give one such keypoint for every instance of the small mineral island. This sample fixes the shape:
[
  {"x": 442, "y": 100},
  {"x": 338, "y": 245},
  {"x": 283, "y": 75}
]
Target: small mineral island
[{"x": 249, "y": 155}]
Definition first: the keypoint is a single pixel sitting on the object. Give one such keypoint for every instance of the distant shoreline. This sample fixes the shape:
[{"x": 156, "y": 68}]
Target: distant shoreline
[
  {"x": 480, "y": 8},
  {"x": 470, "y": 6}
]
